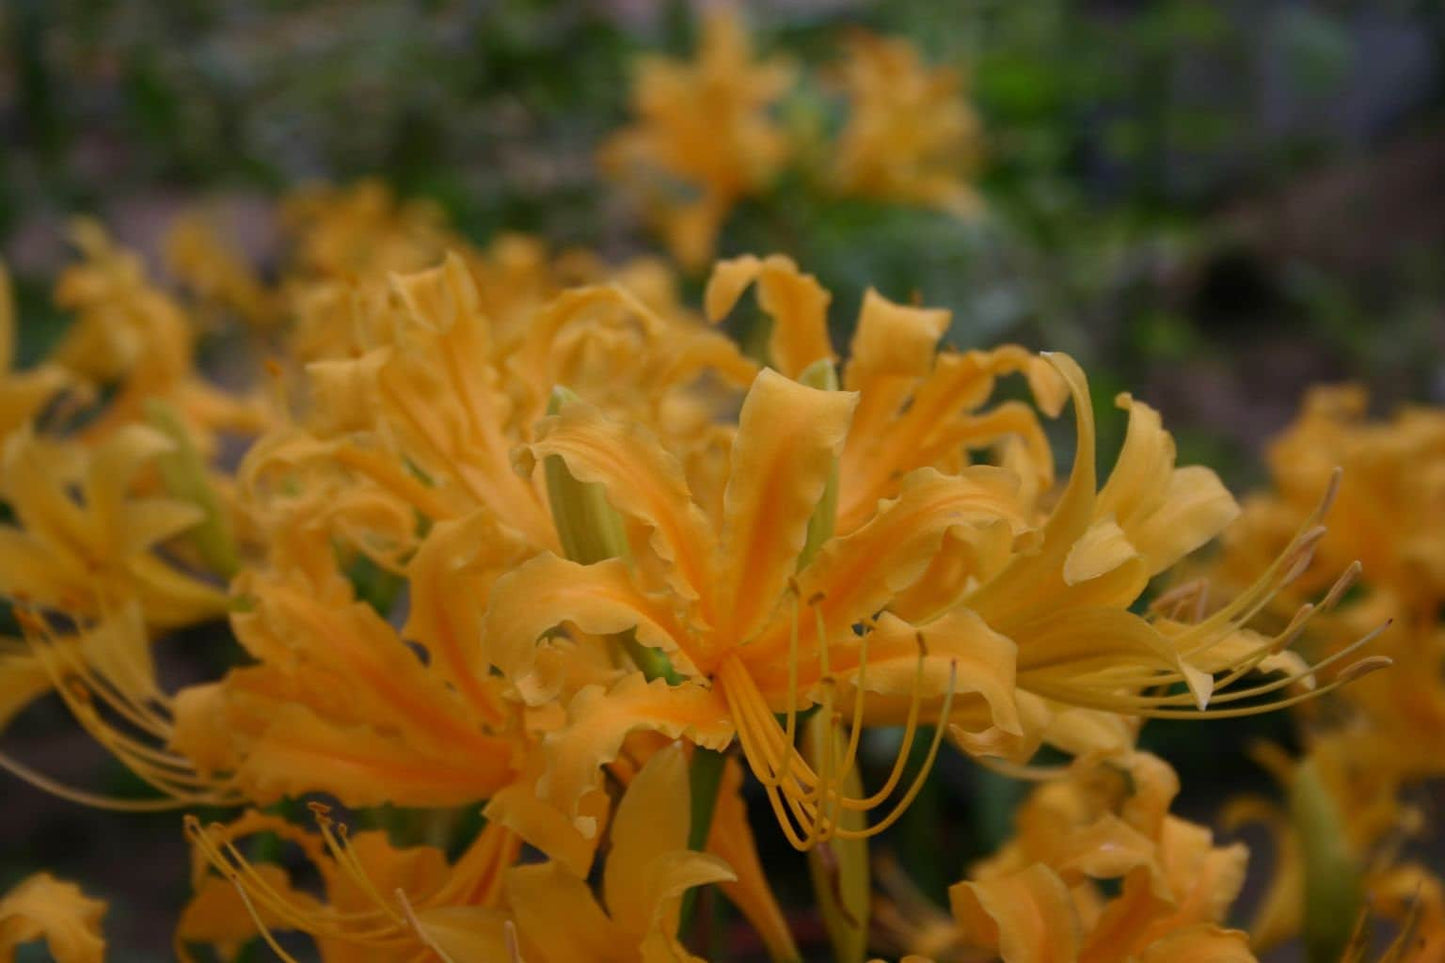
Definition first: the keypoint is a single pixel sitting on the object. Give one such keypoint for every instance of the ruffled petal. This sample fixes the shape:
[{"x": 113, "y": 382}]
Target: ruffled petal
[
  {"x": 643, "y": 481},
  {"x": 892, "y": 340},
  {"x": 558, "y": 920},
  {"x": 893, "y": 438},
  {"x": 1166, "y": 512},
  {"x": 786, "y": 449},
  {"x": 598, "y": 599},
  {"x": 958, "y": 649},
  {"x": 543, "y": 825},
  {"x": 599, "y": 720},
  {"x": 1027, "y": 917},
  {"x": 450, "y": 579},
  {"x": 858, "y": 575},
  {"x": 796, "y": 303},
  {"x": 300, "y": 752},
  {"x": 1200, "y": 944}
]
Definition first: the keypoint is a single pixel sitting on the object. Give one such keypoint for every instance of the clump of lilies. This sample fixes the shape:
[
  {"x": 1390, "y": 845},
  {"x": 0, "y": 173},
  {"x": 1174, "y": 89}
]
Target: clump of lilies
[
  {"x": 559, "y": 569},
  {"x": 532, "y": 567}
]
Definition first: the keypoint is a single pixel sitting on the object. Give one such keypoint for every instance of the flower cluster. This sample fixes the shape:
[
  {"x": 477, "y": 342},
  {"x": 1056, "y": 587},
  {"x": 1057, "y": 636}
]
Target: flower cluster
[
  {"x": 1353, "y": 796},
  {"x": 707, "y": 134},
  {"x": 521, "y": 550}
]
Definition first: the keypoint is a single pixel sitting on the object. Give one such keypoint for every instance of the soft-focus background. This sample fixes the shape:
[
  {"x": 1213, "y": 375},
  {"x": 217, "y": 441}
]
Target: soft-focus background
[{"x": 1213, "y": 204}]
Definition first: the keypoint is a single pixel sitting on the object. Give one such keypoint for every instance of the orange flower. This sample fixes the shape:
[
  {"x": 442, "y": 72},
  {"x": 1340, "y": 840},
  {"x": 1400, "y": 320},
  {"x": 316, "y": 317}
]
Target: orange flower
[{"x": 703, "y": 138}]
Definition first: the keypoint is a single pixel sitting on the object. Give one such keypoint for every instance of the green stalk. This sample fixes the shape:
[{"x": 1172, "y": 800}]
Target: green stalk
[
  {"x": 1334, "y": 892},
  {"x": 183, "y": 471},
  {"x": 821, "y": 375}
]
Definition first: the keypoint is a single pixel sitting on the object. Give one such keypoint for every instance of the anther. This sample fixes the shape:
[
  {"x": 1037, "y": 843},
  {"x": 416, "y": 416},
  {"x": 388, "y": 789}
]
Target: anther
[
  {"x": 1342, "y": 585},
  {"x": 1364, "y": 667}
]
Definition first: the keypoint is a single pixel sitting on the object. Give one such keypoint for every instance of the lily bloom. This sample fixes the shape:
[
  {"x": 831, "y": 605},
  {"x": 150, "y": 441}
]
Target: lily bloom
[
  {"x": 130, "y": 333},
  {"x": 42, "y": 907},
  {"x": 707, "y": 592},
  {"x": 85, "y": 542},
  {"x": 703, "y": 138},
  {"x": 1038, "y": 900},
  {"x": 910, "y": 135},
  {"x": 382, "y": 903},
  {"x": 483, "y": 907}
]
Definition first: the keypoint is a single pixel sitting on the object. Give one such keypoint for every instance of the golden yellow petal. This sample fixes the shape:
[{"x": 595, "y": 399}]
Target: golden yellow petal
[
  {"x": 1102, "y": 549},
  {"x": 652, "y": 820},
  {"x": 216, "y": 913},
  {"x": 599, "y": 599},
  {"x": 787, "y": 445},
  {"x": 796, "y": 303},
  {"x": 466, "y": 932},
  {"x": 1166, "y": 512},
  {"x": 300, "y": 752},
  {"x": 858, "y": 575},
  {"x": 642, "y": 480},
  {"x": 1028, "y": 916},
  {"x": 731, "y": 838},
  {"x": 599, "y": 720},
  {"x": 543, "y": 825},
  {"x": 1200, "y": 944},
  {"x": 450, "y": 580},
  {"x": 892, "y": 340},
  {"x": 558, "y": 920}
]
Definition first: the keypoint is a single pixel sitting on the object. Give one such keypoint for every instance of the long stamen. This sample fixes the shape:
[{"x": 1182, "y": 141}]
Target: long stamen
[
  {"x": 922, "y": 776},
  {"x": 85, "y": 798},
  {"x": 910, "y": 731},
  {"x": 1113, "y": 704}
]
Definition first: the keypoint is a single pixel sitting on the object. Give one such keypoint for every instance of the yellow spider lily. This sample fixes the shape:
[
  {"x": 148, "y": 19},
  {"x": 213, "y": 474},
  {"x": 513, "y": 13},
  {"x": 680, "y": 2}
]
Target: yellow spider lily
[
  {"x": 441, "y": 399},
  {"x": 82, "y": 555},
  {"x": 457, "y": 913},
  {"x": 42, "y": 907},
  {"x": 129, "y": 332},
  {"x": 648, "y": 869},
  {"x": 363, "y": 230},
  {"x": 339, "y": 703},
  {"x": 710, "y": 592},
  {"x": 703, "y": 138},
  {"x": 910, "y": 135},
  {"x": 917, "y": 406},
  {"x": 382, "y": 903},
  {"x": 1037, "y": 900},
  {"x": 205, "y": 263}
]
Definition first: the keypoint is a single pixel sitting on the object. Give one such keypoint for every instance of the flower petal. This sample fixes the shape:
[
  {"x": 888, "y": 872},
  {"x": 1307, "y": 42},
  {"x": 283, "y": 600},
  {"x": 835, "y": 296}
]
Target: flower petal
[
  {"x": 598, "y": 599},
  {"x": 651, "y": 821},
  {"x": 599, "y": 720},
  {"x": 858, "y": 575},
  {"x": 1027, "y": 916},
  {"x": 43, "y": 907},
  {"x": 1166, "y": 512},
  {"x": 642, "y": 480},
  {"x": 544, "y": 826},
  {"x": 796, "y": 302},
  {"x": 786, "y": 449},
  {"x": 558, "y": 919},
  {"x": 731, "y": 838}
]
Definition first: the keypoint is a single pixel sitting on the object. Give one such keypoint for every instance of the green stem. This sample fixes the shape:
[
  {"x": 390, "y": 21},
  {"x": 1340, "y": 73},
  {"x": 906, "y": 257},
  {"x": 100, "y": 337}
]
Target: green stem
[
  {"x": 184, "y": 472},
  {"x": 1334, "y": 893},
  {"x": 704, "y": 778}
]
